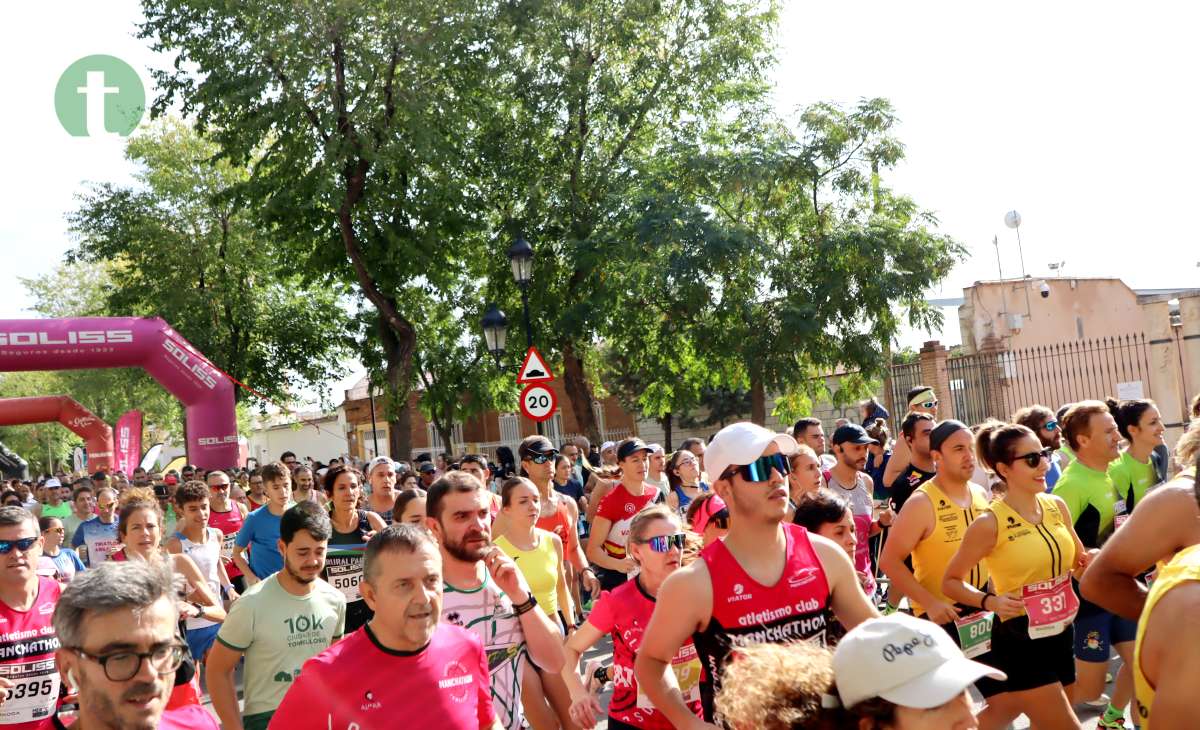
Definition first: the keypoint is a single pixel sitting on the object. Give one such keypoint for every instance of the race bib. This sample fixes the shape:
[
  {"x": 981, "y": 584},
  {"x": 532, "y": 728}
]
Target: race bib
[
  {"x": 1051, "y": 606},
  {"x": 99, "y": 550},
  {"x": 34, "y": 694},
  {"x": 345, "y": 577},
  {"x": 1120, "y": 514},
  {"x": 975, "y": 633},
  {"x": 685, "y": 667},
  {"x": 227, "y": 545}
]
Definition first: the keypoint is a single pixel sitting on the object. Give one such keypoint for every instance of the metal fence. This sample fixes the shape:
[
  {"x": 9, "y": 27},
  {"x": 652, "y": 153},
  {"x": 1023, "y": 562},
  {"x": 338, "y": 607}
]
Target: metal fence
[
  {"x": 996, "y": 384},
  {"x": 904, "y": 378}
]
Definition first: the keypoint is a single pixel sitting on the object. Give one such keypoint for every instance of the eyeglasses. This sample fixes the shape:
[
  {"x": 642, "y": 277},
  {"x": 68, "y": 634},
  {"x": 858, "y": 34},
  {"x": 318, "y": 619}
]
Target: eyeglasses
[
  {"x": 542, "y": 457},
  {"x": 759, "y": 470},
  {"x": 124, "y": 665},
  {"x": 1051, "y": 426},
  {"x": 23, "y": 545},
  {"x": 1034, "y": 457},
  {"x": 664, "y": 543}
]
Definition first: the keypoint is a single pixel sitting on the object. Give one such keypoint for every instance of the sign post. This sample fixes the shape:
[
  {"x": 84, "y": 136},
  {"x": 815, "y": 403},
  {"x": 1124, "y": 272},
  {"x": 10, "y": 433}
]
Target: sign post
[{"x": 538, "y": 401}]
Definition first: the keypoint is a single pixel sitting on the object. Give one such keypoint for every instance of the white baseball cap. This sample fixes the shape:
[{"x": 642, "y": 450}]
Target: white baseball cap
[
  {"x": 742, "y": 443},
  {"x": 377, "y": 461},
  {"x": 52, "y": 482},
  {"x": 608, "y": 445},
  {"x": 907, "y": 661}
]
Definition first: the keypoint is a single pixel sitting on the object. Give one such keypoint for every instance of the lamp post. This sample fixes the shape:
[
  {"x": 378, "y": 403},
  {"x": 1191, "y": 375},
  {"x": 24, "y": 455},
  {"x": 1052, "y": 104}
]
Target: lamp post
[
  {"x": 520, "y": 254},
  {"x": 495, "y": 332},
  {"x": 1175, "y": 318}
]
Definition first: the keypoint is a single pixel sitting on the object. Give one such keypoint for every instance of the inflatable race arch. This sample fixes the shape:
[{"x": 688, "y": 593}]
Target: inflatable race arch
[
  {"x": 122, "y": 342},
  {"x": 96, "y": 434}
]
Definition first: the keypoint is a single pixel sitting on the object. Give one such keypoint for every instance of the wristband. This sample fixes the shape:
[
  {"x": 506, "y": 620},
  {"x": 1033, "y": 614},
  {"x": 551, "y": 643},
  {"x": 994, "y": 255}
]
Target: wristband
[
  {"x": 521, "y": 609},
  {"x": 983, "y": 601}
]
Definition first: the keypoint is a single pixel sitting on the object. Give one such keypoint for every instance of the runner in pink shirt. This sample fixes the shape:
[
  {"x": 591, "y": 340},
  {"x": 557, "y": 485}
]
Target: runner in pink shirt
[
  {"x": 402, "y": 668},
  {"x": 656, "y": 540}
]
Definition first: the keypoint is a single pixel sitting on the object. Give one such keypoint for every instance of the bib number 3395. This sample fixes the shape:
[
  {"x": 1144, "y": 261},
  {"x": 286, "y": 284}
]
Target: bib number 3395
[{"x": 1051, "y": 606}]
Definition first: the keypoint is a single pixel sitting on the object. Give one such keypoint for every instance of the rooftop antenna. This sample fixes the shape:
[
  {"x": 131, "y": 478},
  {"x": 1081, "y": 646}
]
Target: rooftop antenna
[{"x": 1012, "y": 219}]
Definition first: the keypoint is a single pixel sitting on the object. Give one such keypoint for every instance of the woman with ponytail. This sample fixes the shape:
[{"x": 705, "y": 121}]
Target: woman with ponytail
[{"x": 1145, "y": 463}]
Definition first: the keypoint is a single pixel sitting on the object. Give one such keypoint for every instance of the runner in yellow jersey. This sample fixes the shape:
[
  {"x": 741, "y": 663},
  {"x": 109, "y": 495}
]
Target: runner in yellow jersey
[
  {"x": 930, "y": 527},
  {"x": 1029, "y": 547},
  {"x": 1166, "y": 663}
]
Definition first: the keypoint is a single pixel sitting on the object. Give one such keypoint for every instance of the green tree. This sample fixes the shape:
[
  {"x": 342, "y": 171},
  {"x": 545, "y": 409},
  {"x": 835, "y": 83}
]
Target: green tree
[
  {"x": 829, "y": 261},
  {"x": 361, "y": 110},
  {"x": 592, "y": 94},
  {"x": 181, "y": 247}
]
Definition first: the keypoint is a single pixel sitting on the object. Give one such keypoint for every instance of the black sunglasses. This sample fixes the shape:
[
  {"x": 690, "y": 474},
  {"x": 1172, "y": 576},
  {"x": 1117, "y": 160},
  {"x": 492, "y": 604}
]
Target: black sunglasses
[
  {"x": 541, "y": 457},
  {"x": 720, "y": 519},
  {"x": 1034, "y": 457}
]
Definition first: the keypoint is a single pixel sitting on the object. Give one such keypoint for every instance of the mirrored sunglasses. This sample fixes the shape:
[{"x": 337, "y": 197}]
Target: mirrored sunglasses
[
  {"x": 759, "y": 470},
  {"x": 23, "y": 544},
  {"x": 664, "y": 543}
]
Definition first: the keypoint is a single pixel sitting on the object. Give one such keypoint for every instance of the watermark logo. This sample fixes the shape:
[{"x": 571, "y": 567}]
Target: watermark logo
[{"x": 99, "y": 96}]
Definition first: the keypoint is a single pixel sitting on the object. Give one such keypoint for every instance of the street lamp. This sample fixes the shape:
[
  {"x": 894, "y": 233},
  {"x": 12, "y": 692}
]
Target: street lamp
[
  {"x": 495, "y": 331},
  {"x": 520, "y": 254}
]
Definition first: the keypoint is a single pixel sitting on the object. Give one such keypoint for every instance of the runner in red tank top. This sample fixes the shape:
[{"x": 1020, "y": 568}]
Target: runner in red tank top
[
  {"x": 227, "y": 516},
  {"x": 766, "y": 582}
]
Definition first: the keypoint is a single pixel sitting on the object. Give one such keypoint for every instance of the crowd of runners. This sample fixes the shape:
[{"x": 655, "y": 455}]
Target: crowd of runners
[{"x": 754, "y": 580}]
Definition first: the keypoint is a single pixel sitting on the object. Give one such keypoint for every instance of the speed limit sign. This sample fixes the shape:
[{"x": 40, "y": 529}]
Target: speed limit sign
[{"x": 538, "y": 402}]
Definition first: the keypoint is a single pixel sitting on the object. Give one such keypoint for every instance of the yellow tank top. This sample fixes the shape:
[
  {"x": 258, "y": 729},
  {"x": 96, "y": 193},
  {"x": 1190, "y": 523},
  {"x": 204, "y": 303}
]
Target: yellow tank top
[
  {"x": 1025, "y": 553},
  {"x": 1184, "y": 567},
  {"x": 931, "y": 555},
  {"x": 539, "y": 566}
]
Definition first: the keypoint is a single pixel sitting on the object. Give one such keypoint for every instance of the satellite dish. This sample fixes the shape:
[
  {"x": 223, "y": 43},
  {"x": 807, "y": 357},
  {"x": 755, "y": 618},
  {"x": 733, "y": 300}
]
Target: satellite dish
[{"x": 1012, "y": 219}]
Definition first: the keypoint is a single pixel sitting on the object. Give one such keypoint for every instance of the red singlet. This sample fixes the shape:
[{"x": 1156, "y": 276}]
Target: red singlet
[
  {"x": 228, "y": 523},
  {"x": 745, "y": 612}
]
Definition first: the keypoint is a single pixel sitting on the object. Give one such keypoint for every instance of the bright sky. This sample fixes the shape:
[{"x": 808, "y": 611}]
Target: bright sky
[{"x": 1077, "y": 115}]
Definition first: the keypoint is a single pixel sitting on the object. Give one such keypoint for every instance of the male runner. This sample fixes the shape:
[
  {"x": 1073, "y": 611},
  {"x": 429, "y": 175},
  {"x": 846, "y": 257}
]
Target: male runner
[
  {"x": 931, "y": 526},
  {"x": 227, "y": 516},
  {"x": 257, "y": 496},
  {"x": 94, "y": 539},
  {"x": 83, "y": 508},
  {"x": 260, "y": 532},
  {"x": 29, "y": 679},
  {"x": 767, "y": 581},
  {"x": 1042, "y": 422},
  {"x": 486, "y": 594},
  {"x": 404, "y": 668},
  {"x": 848, "y": 481},
  {"x": 914, "y": 432},
  {"x": 278, "y": 625}
]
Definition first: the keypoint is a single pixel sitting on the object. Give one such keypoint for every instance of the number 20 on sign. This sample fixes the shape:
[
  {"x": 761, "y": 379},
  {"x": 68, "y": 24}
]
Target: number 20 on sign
[{"x": 538, "y": 402}]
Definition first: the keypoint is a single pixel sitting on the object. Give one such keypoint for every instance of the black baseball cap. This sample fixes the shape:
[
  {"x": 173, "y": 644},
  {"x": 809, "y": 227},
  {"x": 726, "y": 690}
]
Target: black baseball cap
[
  {"x": 852, "y": 433},
  {"x": 535, "y": 446},
  {"x": 629, "y": 447},
  {"x": 427, "y": 468}
]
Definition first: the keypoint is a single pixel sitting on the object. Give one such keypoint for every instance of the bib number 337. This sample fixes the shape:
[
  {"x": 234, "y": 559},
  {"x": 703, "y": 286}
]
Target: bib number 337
[{"x": 1051, "y": 606}]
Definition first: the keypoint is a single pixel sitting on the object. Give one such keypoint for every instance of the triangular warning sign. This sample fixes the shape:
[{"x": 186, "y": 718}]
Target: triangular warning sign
[{"x": 534, "y": 369}]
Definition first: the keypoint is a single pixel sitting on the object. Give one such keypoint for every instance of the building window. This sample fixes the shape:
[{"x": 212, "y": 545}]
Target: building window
[
  {"x": 598, "y": 413},
  {"x": 435, "y": 439},
  {"x": 553, "y": 429},
  {"x": 368, "y": 441},
  {"x": 510, "y": 428}
]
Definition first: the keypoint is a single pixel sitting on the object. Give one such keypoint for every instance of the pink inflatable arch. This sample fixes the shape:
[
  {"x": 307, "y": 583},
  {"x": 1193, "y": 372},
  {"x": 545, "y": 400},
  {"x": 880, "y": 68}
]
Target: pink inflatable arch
[
  {"x": 97, "y": 435},
  {"x": 122, "y": 342}
]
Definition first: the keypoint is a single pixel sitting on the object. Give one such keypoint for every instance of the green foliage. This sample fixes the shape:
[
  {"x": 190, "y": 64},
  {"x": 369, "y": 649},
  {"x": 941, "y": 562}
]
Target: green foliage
[{"x": 178, "y": 246}]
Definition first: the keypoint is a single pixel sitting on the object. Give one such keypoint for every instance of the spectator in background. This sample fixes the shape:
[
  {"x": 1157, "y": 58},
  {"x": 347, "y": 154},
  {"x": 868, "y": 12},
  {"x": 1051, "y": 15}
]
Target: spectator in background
[
  {"x": 810, "y": 432},
  {"x": 289, "y": 460},
  {"x": 410, "y": 480},
  {"x": 654, "y": 471},
  {"x": 871, "y": 409},
  {"x": 878, "y": 455}
]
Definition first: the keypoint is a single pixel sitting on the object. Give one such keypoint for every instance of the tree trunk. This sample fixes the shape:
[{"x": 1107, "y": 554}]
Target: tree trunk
[
  {"x": 579, "y": 393},
  {"x": 398, "y": 360},
  {"x": 667, "y": 421},
  {"x": 758, "y": 400}
]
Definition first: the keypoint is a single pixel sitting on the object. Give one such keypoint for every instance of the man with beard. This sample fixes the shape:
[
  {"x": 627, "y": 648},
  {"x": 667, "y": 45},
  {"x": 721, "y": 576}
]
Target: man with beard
[
  {"x": 405, "y": 667},
  {"x": 914, "y": 432},
  {"x": 1042, "y": 422},
  {"x": 486, "y": 594},
  {"x": 119, "y": 648},
  {"x": 931, "y": 526},
  {"x": 278, "y": 624}
]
